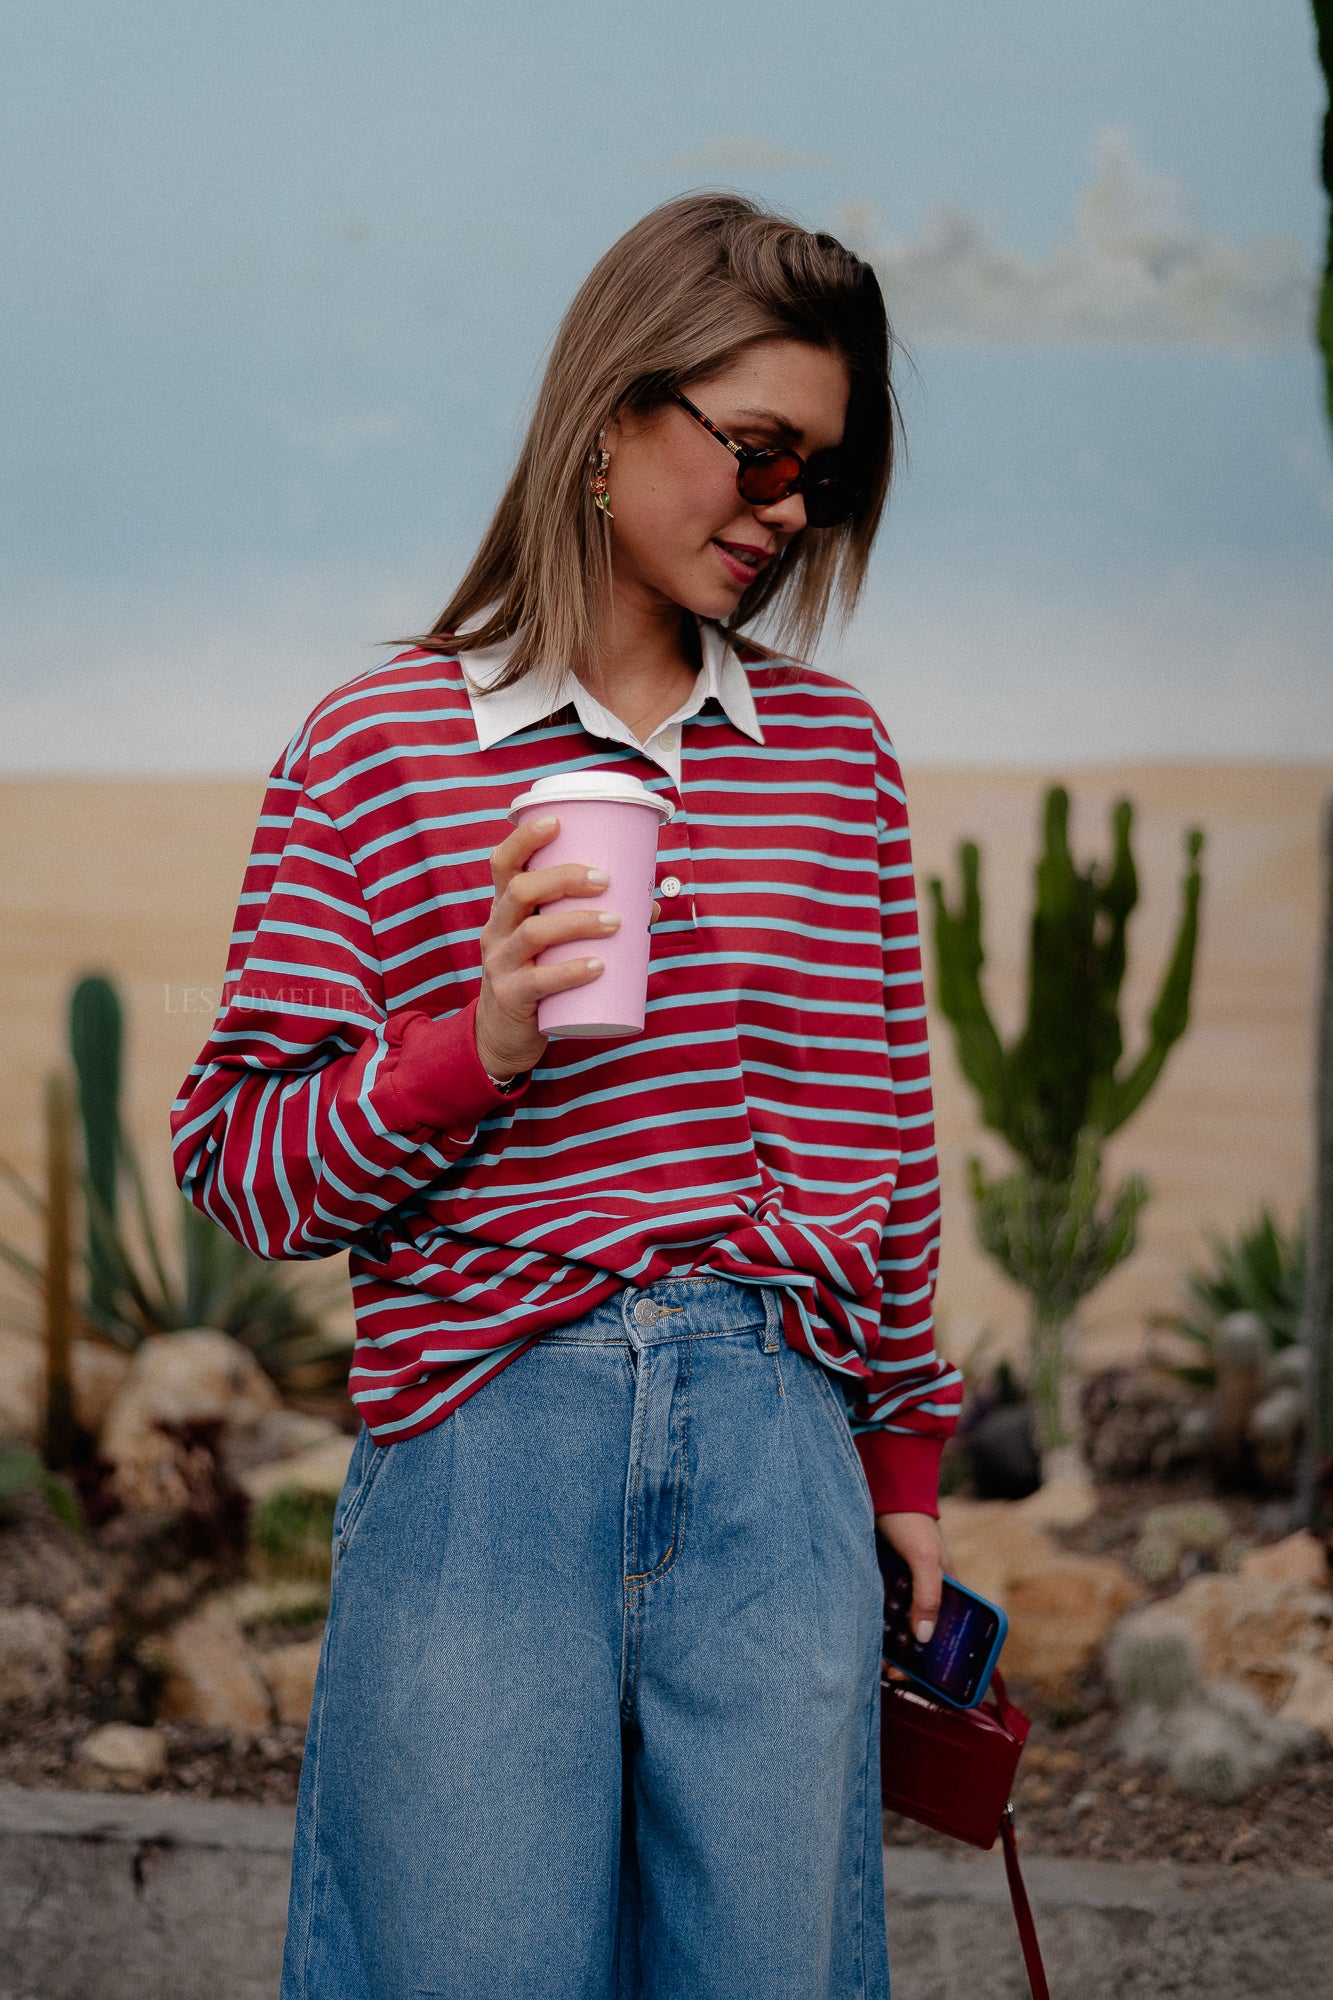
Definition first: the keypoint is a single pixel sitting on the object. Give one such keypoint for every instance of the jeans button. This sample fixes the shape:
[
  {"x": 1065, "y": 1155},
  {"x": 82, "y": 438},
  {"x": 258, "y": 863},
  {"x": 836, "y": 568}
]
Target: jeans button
[{"x": 645, "y": 1312}]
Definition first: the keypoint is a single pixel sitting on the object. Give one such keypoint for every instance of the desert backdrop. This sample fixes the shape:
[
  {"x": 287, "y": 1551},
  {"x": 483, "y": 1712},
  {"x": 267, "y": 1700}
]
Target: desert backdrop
[{"x": 137, "y": 878}]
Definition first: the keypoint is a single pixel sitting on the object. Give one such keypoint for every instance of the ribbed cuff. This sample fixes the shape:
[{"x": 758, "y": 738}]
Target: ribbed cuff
[
  {"x": 432, "y": 1078},
  {"x": 902, "y": 1471}
]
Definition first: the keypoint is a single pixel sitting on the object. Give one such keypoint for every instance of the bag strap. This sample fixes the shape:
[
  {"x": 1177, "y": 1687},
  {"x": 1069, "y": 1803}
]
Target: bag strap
[
  {"x": 1004, "y": 1708},
  {"x": 1018, "y": 1895}
]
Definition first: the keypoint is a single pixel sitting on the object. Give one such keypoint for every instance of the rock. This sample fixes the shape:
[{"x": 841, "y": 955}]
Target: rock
[
  {"x": 1139, "y": 1421},
  {"x": 1310, "y": 1700},
  {"x": 1064, "y": 1502},
  {"x": 134, "y": 1756},
  {"x": 34, "y": 1664},
  {"x": 1300, "y": 1559},
  {"x": 290, "y": 1673},
  {"x": 1002, "y": 1452},
  {"x": 178, "y": 1379},
  {"x": 322, "y": 1469},
  {"x": 211, "y": 1675},
  {"x": 1061, "y": 1606},
  {"x": 97, "y": 1371},
  {"x": 277, "y": 1434},
  {"x": 1245, "y": 1629}
]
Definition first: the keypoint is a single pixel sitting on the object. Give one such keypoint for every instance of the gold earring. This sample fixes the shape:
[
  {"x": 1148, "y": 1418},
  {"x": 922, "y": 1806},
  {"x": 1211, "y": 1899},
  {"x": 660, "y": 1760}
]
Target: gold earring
[{"x": 601, "y": 498}]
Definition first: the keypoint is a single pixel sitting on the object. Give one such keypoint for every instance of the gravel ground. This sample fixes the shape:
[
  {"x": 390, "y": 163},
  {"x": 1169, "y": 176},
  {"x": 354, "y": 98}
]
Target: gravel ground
[{"x": 1074, "y": 1795}]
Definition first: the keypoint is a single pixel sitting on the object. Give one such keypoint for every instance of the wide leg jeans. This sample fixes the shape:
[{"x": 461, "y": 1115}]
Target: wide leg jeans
[{"x": 596, "y": 1712}]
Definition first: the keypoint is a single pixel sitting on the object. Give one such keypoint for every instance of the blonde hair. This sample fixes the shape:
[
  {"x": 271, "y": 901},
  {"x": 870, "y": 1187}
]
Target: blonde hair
[{"x": 675, "y": 300}]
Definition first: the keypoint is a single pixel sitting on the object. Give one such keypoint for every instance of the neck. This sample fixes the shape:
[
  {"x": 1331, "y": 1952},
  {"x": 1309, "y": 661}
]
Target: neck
[{"x": 649, "y": 657}]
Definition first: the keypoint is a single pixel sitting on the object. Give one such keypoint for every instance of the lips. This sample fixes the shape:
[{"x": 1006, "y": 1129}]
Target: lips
[{"x": 741, "y": 560}]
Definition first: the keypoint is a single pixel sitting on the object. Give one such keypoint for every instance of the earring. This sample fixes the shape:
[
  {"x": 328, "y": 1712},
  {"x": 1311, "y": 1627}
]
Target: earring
[{"x": 601, "y": 498}]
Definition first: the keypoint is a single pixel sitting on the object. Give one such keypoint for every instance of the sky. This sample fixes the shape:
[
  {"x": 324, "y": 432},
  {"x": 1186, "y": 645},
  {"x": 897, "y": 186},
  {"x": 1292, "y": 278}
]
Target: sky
[{"x": 277, "y": 282}]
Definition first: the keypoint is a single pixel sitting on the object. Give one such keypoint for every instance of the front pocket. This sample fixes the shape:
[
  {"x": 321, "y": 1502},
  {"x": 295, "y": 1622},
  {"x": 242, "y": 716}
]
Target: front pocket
[
  {"x": 367, "y": 1461},
  {"x": 837, "y": 1412}
]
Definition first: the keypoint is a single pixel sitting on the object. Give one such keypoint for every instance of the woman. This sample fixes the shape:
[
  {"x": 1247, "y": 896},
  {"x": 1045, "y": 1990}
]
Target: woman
[{"x": 644, "y": 1333}]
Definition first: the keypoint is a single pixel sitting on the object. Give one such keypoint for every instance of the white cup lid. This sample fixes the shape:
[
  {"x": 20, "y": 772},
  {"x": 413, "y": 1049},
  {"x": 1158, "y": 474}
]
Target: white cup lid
[{"x": 614, "y": 786}]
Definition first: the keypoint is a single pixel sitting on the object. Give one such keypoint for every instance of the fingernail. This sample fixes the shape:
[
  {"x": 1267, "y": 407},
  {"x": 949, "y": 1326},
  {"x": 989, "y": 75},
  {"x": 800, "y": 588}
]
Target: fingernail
[
  {"x": 542, "y": 825},
  {"x": 595, "y": 964},
  {"x": 597, "y": 879},
  {"x": 925, "y": 1627},
  {"x": 608, "y": 920}
]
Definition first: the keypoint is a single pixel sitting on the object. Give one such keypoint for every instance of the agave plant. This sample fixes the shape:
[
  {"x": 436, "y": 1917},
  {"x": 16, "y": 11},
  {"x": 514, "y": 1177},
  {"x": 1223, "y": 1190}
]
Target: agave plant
[{"x": 1262, "y": 1271}]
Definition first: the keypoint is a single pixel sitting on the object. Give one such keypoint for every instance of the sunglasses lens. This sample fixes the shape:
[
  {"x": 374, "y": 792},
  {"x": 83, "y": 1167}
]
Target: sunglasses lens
[
  {"x": 769, "y": 478},
  {"x": 830, "y": 496}
]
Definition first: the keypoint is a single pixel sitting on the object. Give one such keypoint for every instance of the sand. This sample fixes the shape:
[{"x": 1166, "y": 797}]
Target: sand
[{"x": 137, "y": 878}]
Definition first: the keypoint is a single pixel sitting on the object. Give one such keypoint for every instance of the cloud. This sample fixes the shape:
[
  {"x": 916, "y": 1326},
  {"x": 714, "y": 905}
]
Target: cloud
[
  {"x": 1135, "y": 269},
  {"x": 736, "y": 154}
]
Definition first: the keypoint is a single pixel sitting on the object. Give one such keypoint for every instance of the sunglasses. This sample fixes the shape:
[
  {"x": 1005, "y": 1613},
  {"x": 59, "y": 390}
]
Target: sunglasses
[{"x": 768, "y": 475}]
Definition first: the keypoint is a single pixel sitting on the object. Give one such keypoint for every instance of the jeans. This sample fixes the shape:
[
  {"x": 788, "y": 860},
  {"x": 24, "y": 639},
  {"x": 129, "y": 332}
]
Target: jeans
[{"x": 596, "y": 1712}]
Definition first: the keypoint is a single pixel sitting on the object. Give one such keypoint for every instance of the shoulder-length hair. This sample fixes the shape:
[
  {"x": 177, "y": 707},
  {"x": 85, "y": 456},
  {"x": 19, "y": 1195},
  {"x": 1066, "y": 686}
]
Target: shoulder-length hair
[{"x": 673, "y": 302}]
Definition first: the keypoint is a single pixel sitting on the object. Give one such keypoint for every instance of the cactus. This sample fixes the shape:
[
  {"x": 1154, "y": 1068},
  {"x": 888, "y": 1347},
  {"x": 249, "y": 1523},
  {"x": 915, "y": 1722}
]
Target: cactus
[
  {"x": 95, "y": 1038},
  {"x": 132, "y": 1291},
  {"x": 60, "y": 1434},
  {"x": 1060, "y": 1090}
]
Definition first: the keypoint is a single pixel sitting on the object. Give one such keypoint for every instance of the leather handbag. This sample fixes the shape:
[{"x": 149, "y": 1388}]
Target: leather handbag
[{"x": 953, "y": 1769}]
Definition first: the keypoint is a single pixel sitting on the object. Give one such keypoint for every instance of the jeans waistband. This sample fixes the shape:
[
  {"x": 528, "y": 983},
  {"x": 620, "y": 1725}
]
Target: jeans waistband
[{"x": 676, "y": 1309}]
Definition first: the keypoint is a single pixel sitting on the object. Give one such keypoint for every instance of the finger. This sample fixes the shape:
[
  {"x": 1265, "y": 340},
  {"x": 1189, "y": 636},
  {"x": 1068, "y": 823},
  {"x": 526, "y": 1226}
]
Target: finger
[
  {"x": 926, "y": 1590},
  {"x": 513, "y": 951},
  {"x": 517, "y": 847}
]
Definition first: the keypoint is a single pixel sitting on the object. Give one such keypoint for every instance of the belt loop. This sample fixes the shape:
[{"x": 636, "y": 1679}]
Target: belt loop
[{"x": 772, "y": 1319}]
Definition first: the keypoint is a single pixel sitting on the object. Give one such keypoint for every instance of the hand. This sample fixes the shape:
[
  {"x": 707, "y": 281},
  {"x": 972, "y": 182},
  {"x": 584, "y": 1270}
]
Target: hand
[
  {"x": 508, "y": 1038},
  {"x": 919, "y": 1542}
]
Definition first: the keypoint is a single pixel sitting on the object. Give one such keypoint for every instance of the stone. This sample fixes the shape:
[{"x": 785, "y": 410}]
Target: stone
[
  {"x": 1299, "y": 1559},
  {"x": 277, "y": 1435},
  {"x": 210, "y": 1674},
  {"x": 1310, "y": 1698},
  {"x": 1061, "y": 1606},
  {"x": 132, "y": 1755},
  {"x": 178, "y": 1379},
  {"x": 322, "y": 1469},
  {"x": 290, "y": 1673},
  {"x": 34, "y": 1662}
]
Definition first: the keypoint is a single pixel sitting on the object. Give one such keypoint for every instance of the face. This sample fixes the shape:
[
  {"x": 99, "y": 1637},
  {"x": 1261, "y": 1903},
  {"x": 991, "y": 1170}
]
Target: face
[{"x": 682, "y": 534}]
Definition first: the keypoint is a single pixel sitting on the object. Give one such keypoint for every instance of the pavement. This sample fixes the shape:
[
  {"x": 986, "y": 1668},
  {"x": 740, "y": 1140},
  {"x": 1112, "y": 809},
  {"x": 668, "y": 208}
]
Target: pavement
[{"x": 114, "y": 1897}]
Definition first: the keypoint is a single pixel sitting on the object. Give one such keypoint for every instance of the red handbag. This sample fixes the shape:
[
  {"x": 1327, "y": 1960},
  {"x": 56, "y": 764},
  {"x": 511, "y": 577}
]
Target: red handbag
[{"x": 953, "y": 1769}]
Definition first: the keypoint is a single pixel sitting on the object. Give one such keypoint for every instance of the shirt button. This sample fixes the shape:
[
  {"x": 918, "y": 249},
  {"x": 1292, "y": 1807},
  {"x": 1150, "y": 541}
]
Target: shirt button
[{"x": 670, "y": 885}]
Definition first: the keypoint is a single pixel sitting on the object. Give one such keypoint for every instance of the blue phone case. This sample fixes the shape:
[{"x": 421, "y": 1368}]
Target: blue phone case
[{"x": 887, "y": 1555}]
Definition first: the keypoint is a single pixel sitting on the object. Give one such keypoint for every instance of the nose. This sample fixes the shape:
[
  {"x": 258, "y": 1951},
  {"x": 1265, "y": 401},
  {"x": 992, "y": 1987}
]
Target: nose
[{"x": 786, "y": 517}]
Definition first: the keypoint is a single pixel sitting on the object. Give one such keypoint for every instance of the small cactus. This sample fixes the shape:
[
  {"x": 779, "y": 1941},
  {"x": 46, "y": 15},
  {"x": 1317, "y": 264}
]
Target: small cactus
[{"x": 96, "y": 1034}]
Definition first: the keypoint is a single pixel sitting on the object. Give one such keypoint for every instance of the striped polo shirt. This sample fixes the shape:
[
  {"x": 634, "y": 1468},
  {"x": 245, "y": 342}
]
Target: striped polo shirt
[{"x": 772, "y": 1125}]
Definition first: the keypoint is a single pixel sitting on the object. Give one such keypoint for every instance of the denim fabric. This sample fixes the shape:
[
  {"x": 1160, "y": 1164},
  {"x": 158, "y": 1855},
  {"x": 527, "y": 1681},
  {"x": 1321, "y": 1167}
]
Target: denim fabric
[{"x": 596, "y": 1712}]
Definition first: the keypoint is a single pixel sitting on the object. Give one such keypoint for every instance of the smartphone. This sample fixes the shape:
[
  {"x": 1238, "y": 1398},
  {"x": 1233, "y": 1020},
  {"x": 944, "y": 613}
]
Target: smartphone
[{"x": 957, "y": 1661}]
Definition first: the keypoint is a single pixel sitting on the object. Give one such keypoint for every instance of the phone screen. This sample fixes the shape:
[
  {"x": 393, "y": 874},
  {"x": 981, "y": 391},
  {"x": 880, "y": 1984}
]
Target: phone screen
[{"x": 954, "y": 1658}]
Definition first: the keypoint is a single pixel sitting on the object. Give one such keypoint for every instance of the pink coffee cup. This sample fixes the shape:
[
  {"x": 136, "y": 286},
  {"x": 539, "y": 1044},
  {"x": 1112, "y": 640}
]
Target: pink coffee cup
[{"x": 610, "y": 821}]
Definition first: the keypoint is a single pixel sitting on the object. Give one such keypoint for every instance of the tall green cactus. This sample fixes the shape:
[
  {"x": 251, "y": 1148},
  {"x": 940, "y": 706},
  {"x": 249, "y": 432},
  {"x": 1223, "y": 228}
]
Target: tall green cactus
[
  {"x": 96, "y": 1038},
  {"x": 1059, "y": 1090}
]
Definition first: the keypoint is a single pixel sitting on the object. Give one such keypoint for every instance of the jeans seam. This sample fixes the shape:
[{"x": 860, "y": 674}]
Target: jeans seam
[
  {"x": 356, "y": 1505},
  {"x": 837, "y": 1411}
]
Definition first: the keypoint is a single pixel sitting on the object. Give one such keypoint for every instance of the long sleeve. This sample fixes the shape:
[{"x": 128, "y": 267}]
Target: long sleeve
[
  {"x": 901, "y": 1422},
  {"x": 312, "y": 1112}
]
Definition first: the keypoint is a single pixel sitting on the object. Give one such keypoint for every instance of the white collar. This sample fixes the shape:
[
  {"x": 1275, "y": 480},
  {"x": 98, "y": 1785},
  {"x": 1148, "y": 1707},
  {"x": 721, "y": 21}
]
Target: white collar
[{"x": 501, "y": 712}]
